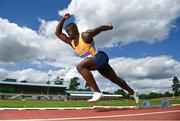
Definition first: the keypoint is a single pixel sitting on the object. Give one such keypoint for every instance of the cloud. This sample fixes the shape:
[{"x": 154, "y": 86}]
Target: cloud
[
  {"x": 21, "y": 43},
  {"x": 150, "y": 67},
  {"x": 3, "y": 74},
  {"x": 47, "y": 28},
  {"x": 149, "y": 83},
  {"x": 133, "y": 20},
  {"x": 29, "y": 75},
  {"x": 65, "y": 62},
  {"x": 17, "y": 43}
]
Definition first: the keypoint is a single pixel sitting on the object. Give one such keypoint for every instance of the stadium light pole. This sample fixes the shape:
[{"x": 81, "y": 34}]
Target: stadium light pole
[{"x": 49, "y": 76}]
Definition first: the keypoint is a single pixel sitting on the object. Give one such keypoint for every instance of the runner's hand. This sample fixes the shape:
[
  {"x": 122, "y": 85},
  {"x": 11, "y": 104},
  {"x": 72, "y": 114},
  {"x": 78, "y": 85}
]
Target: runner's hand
[
  {"x": 110, "y": 25},
  {"x": 66, "y": 16}
]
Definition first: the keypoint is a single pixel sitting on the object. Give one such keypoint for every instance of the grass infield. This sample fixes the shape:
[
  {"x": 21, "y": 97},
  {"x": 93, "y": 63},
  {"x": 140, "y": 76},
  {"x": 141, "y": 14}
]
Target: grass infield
[{"x": 59, "y": 104}]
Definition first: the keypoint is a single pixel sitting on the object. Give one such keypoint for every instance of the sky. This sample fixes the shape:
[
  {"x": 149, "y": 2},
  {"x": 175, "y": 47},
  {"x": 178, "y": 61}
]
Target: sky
[{"x": 143, "y": 46}]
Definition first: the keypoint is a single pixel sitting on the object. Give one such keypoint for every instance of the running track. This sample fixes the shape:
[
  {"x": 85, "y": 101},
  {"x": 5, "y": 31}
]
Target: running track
[{"x": 91, "y": 114}]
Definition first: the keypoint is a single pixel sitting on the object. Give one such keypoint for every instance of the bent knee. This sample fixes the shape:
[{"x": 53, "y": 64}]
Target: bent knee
[{"x": 80, "y": 67}]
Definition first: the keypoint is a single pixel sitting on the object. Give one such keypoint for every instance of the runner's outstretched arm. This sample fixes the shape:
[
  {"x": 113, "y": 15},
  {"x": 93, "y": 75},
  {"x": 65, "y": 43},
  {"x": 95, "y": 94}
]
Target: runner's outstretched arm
[{"x": 89, "y": 34}]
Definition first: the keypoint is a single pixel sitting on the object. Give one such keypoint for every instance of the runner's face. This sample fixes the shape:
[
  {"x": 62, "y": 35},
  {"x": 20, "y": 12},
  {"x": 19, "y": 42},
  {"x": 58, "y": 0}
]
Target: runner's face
[{"x": 71, "y": 32}]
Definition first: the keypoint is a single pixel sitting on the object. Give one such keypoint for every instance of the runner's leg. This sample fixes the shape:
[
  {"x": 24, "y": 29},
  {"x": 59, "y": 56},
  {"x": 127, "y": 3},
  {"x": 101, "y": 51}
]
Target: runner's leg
[
  {"x": 84, "y": 68},
  {"x": 109, "y": 73}
]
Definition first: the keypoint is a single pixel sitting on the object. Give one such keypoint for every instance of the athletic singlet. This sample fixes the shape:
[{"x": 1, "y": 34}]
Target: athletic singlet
[{"x": 84, "y": 49}]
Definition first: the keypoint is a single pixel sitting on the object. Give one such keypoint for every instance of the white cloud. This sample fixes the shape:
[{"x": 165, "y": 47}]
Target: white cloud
[
  {"x": 47, "y": 28},
  {"x": 3, "y": 74},
  {"x": 133, "y": 20},
  {"x": 29, "y": 75},
  {"x": 21, "y": 43},
  {"x": 150, "y": 83},
  {"x": 65, "y": 62},
  {"x": 17, "y": 43},
  {"x": 149, "y": 67}
]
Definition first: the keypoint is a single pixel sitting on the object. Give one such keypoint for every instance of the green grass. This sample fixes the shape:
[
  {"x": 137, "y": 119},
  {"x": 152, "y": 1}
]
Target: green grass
[
  {"x": 30, "y": 103},
  {"x": 46, "y": 104}
]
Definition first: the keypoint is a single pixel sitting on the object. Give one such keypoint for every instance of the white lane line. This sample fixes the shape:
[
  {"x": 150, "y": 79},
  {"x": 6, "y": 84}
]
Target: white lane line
[
  {"x": 64, "y": 108},
  {"x": 69, "y": 108},
  {"x": 97, "y": 117}
]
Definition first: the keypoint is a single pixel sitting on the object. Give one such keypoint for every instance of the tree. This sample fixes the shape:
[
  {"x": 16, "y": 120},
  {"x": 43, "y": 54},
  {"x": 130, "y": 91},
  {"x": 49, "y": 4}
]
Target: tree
[
  {"x": 167, "y": 94},
  {"x": 176, "y": 86},
  {"x": 143, "y": 96},
  {"x": 154, "y": 95},
  {"x": 59, "y": 81},
  {"x": 74, "y": 83},
  {"x": 123, "y": 93}
]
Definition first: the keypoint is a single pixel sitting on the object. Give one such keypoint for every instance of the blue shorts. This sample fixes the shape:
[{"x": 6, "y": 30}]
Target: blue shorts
[{"x": 101, "y": 59}]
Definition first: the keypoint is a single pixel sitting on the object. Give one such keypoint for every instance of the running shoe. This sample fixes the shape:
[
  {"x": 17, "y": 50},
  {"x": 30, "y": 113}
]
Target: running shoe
[
  {"x": 96, "y": 97},
  {"x": 135, "y": 96}
]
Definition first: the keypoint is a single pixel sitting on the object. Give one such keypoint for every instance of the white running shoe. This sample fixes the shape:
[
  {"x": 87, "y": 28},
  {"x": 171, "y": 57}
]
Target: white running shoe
[
  {"x": 96, "y": 97},
  {"x": 135, "y": 96}
]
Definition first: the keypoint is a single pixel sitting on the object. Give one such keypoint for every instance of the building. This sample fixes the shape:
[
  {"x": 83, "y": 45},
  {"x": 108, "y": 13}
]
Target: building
[{"x": 16, "y": 90}]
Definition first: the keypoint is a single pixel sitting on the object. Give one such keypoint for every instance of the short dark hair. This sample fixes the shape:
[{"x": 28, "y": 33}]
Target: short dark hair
[{"x": 71, "y": 25}]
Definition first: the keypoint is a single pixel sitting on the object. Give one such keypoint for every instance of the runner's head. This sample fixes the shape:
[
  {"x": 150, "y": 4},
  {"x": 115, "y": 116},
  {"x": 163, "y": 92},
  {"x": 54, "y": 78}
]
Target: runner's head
[{"x": 71, "y": 30}]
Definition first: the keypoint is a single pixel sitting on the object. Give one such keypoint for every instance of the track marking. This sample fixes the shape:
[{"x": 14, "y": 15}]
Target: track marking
[
  {"x": 64, "y": 108},
  {"x": 96, "y": 117},
  {"x": 70, "y": 108}
]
